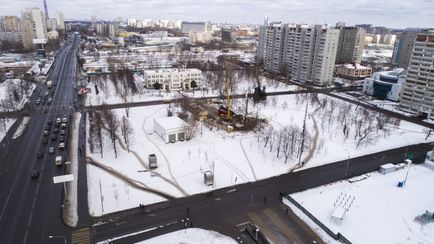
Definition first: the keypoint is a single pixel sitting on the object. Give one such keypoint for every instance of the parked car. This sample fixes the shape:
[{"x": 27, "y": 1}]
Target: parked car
[{"x": 35, "y": 174}]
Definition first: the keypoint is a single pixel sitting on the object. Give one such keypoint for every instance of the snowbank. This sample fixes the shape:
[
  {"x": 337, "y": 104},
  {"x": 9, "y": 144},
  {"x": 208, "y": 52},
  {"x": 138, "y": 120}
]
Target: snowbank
[
  {"x": 191, "y": 236},
  {"x": 5, "y": 125},
  {"x": 22, "y": 127},
  {"x": 70, "y": 214}
]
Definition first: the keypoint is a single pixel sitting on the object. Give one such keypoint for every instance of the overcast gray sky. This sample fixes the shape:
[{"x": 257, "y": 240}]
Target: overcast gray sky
[{"x": 390, "y": 13}]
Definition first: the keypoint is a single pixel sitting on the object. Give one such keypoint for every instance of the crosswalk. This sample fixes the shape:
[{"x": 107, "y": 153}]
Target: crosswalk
[{"x": 81, "y": 236}]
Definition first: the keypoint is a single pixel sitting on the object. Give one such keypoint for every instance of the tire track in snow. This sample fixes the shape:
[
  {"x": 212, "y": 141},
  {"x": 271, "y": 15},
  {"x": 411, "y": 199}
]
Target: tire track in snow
[{"x": 248, "y": 160}]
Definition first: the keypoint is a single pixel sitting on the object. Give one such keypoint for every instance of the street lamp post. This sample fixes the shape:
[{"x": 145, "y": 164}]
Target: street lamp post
[{"x": 58, "y": 237}]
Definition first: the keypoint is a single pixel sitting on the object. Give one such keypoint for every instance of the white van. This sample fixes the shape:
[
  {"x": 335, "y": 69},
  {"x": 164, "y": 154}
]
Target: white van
[{"x": 58, "y": 161}]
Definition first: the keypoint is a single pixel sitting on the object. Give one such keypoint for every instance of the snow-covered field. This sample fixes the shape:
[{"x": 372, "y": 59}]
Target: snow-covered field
[
  {"x": 381, "y": 211},
  {"x": 191, "y": 236},
  {"x": 239, "y": 157}
]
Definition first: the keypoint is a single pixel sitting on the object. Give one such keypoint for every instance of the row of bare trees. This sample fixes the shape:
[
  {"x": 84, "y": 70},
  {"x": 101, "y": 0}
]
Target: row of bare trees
[
  {"x": 104, "y": 129},
  {"x": 288, "y": 141},
  {"x": 15, "y": 92}
]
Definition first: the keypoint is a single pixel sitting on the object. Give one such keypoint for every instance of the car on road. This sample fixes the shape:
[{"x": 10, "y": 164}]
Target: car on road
[
  {"x": 61, "y": 138},
  {"x": 46, "y": 132},
  {"x": 55, "y": 130},
  {"x": 58, "y": 121},
  {"x": 63, "y": 132},
  {"x": 64, "y": 120},
  {"x": 35, "y": 174},
  {"x": 49, "y": 101},
  {"x": 62, "y": 145},
  {"x": 40, "y": 155},
  {"x": 45, "y": 140},
  {"x": 51, "y": 150},
  {"x": 38, "y": 101},
  {"x": 54, "y": 137},
  {"x": 50, "y": 122},
  {"x": 63, "y": 125}
]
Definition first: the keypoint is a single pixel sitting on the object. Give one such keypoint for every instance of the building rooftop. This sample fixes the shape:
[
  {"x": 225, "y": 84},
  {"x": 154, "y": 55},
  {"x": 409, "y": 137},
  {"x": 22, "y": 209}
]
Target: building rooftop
[
  {"x": 355, "y": 66},
  {"x": 171, "y": 70},
  {"x": 170, "y": 123}
]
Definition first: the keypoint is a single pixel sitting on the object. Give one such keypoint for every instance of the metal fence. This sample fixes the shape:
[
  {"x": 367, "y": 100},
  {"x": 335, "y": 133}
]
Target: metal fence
[{"x": 335, "y": 236}]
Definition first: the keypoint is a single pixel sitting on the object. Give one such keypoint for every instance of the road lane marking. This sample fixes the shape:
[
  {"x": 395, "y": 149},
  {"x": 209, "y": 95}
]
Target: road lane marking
[
  {"x": 25, "y": 236},
  {"x": 30, "y": 219}
]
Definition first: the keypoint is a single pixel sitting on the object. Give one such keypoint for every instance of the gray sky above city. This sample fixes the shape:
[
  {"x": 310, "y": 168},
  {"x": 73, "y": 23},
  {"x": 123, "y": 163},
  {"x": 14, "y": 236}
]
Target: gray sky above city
[{"x": 389, "y": 13}]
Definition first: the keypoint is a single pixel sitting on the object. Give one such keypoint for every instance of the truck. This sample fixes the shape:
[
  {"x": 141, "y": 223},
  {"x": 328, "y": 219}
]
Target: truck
[
  {"x": 152, "y": 161},
  {"x": 49, "y": 84},
  {"x": 58, "y": 161}
]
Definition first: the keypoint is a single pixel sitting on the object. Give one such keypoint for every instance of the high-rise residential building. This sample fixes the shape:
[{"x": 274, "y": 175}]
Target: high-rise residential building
[
  {"x": 27, "y": 33},
  {"x": 350, "y": 47},
  {"x": 274, "y": 36},
  {"x": 51, "y": 24},
  {"x": 403, "y": 47},
  {"x": 310, "y": 53},
  {"x": 59, "y": 19},
  {"x": 46, "y": 9},
  {"x": 417, "y": 95},
  {"x": 11, "y": 24},
  {"x": 40, "y": 23},
  {"x": 132, "y": 22},
  {"x": 301, "y": 52},
  {"x": 26, "y": 14},
  {"x": 261, "y": 41},
  {"x": 113, "y": 29}
]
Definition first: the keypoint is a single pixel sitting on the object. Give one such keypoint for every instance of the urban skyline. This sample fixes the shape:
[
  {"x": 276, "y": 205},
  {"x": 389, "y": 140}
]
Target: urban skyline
[{"x": 385, "y": 13}]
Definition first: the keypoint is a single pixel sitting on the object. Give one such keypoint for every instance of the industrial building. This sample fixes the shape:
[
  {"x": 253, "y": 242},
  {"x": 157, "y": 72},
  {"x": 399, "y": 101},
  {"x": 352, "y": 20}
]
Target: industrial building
[
  {"x": 171, "y": 129},
  {"x": 385, "y": 84}
]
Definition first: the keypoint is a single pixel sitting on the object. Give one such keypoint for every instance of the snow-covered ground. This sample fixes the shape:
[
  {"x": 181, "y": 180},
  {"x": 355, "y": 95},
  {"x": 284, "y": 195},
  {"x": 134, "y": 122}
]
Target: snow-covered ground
[
  {"x": 107, "y": 92},
  {"x": 14, "y": 93},
  {"x": 239, "y": 157},
  {"x": 381, "y": 211},
  {"x": 191, "y": 236}
]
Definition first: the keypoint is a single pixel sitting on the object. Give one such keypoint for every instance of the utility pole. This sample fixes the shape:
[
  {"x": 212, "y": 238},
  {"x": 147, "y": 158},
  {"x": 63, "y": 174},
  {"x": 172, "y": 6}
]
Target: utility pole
[
  {"x": 302, "y": 134},
  {"x": 228, "y": 91},
  {"x": 102, "y": 197}
]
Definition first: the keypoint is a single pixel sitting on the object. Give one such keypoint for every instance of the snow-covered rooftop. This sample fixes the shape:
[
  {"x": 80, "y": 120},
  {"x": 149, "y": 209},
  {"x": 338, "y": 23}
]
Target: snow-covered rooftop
[
  {"x": 355, "y": 66},
  {"x": 170, "y": 123},
  {"x": 159, "y": 71}
]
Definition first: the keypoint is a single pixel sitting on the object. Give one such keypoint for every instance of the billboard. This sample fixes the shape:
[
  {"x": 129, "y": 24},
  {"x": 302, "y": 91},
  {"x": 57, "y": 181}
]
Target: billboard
[{"x": 39, "y": 41}]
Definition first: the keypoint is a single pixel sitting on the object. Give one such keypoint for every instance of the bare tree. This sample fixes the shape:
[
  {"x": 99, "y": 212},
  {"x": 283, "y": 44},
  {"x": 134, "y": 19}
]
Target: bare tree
[
  {"x": 127, "y": 131},
  {"x": 112, "y": 123}
]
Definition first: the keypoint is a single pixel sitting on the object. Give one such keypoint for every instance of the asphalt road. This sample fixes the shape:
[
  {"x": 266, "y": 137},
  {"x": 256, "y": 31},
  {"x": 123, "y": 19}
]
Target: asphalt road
[
  {"x": 212, "y": 210},
  {"x": 30, "y": 209}
]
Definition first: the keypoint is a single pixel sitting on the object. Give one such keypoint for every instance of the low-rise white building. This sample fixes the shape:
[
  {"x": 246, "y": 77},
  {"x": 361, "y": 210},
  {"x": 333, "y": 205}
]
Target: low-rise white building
[
  {"x": 171, "y": 129},
  {"x": 200, "y": 37},
  {"x": 385, "y": 84},
  {"x": 353, "y": 71},
  {"x": 173, "y": 79}
]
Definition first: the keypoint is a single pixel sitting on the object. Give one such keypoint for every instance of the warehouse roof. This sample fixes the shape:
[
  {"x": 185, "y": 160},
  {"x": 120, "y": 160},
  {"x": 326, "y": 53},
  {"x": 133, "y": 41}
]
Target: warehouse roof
[{"x": 170, "y": 123}]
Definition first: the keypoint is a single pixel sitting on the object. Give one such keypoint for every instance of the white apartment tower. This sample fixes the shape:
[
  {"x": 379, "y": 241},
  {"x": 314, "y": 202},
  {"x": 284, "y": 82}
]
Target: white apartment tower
[
  {"x": 59, "y": 19},
  {"x": 261, "y": 41},
  {"x": 301, "y": 52},
  {"x": 40, "y": 24},
  {"x": 274, "y": 36},
  {"x": 417, "y": 96}
]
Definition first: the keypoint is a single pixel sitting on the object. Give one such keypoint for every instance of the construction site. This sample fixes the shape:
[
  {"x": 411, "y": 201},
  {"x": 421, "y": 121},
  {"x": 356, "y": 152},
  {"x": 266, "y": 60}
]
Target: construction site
[{"x": 222, "y": 113}]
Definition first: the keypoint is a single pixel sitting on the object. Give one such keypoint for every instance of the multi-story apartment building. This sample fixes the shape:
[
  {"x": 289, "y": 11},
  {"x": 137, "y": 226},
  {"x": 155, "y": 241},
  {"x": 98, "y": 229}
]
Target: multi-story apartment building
[
  {"x": 261, "y": 42},
  {"x": 173, "y": 79},
  {"x": 274, "y": 36},
  {"x": 27, "y": 33},
  {"x": 60, "y": 20},
  {"x": 11, "y": 24},
  {"x": 301, "y": 52},
  {"x": 417, "y": 95},
  {"x": 350, "y": 47},
  {"x": 403, "y": 47},
  {"x": 40, "y": 24},
  {"x": 187, "y": 27}
]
